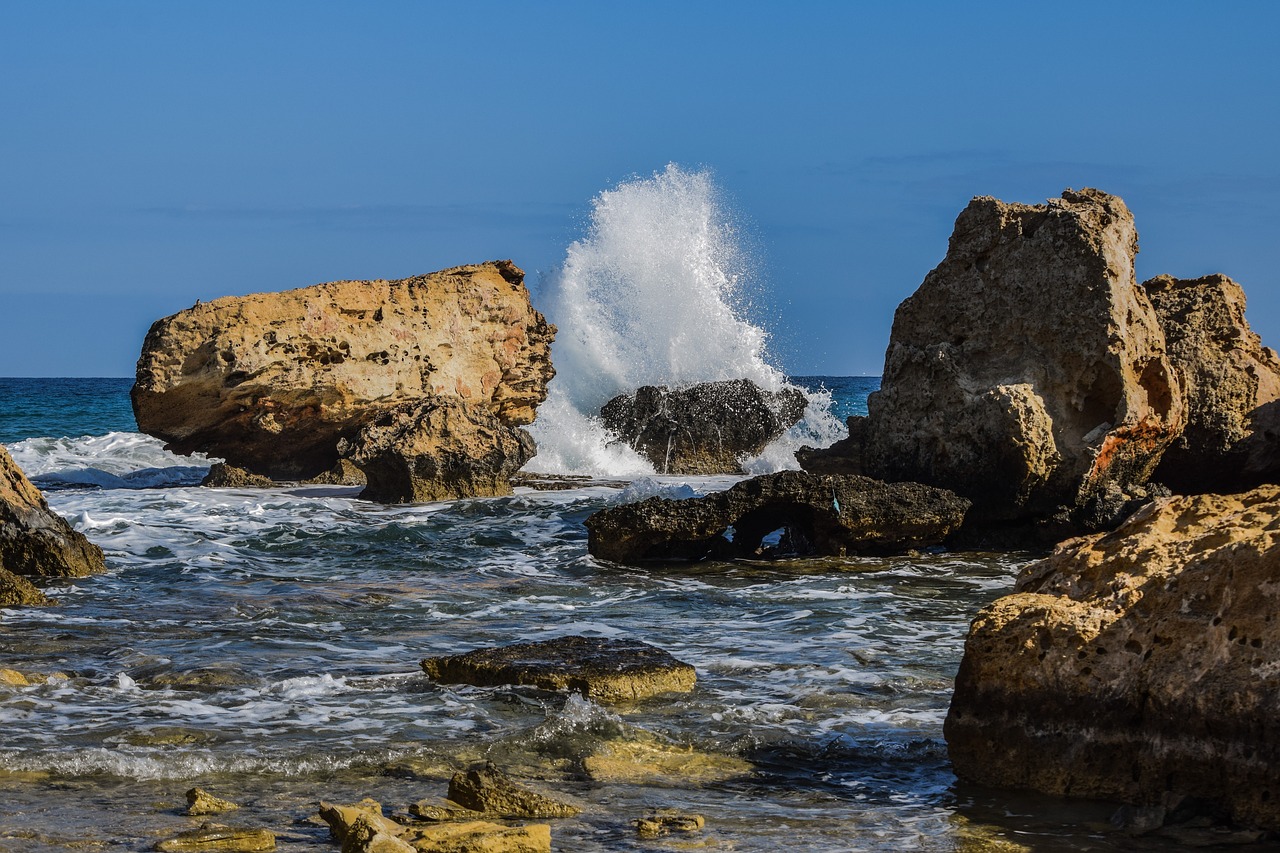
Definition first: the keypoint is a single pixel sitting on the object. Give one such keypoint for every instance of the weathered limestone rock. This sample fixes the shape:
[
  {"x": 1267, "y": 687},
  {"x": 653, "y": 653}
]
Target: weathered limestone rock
[
  {"x": 603, "y": 670},
  {"x": 201, "y": 802},
  {"x": 438, "y": 450},
  {"x": 224, "y": 476},
  {"x": 659, "y": 822},
  {"x": 1028, "y": 372},
  {"x": 1231, "y": 384},
  {"x": 368, "y": 835},
  {"x": 212, "y": 836},
  {"x": 702, "y": 429},
  {"x": 272, "y": 382},
  {"x": 824, "y": 515},
  {"x": 35, "y": 541},
  {"x": 481, "y": 837},
  {"x": 650, "y": 761},
  {"x": 341, "y": 818},
  {"x": 490, "y": 791},
  {"x": 1137, "y": 666}
]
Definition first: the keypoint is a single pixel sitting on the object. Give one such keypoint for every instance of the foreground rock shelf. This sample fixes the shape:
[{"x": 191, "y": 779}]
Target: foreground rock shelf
[{"x": 1141, "y": 666}]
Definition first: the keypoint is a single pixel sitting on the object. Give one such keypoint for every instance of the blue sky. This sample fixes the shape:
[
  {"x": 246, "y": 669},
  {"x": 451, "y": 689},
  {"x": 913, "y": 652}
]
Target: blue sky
[{"x": 156, "y": 153}]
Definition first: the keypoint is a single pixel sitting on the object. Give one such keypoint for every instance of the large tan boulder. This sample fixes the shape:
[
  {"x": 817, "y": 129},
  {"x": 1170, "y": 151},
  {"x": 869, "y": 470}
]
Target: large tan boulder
[
  {"x": 272, "y": 382},
  {"x": 1231, "y": 383},
  {"x": 36, "y": 542},
  {"x": 1028, "y": 372},
  {"x": 1140, "y": 666}
]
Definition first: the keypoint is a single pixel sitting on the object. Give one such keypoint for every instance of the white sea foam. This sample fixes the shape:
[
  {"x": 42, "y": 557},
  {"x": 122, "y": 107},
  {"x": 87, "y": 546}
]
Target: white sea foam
[
  {"x": 117, "y": 460},
  {"x": 653, "y": 295}
]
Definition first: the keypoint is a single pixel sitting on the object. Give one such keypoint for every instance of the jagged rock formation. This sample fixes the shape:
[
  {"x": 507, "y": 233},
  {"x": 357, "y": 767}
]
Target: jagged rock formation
[
  {"x": 601, "y": 669},
  {"x": 1231, "y": 384},
  {"x": 273, "y": 382},
  {"x": 830, "y": 515},
  {"x": 1140, "y": 666},
  {"x": 362, "y": 828},
  {"x": 436, "y": 450},
  {"x": 702, "y": 429},
  {"x": 490, "y": 792},
  {"x": 1028, "y": 372},
  {"x": 35, "y": 542}
]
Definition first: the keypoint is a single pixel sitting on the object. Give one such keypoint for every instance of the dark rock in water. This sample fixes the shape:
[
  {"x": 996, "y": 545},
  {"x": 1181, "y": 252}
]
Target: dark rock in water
[
  {"x": 344, "y": 473},
  {"x": 1231, "y": 384},
  {"x": 1028, "y": 372},
  {"x": 36, "y": 542},
  {"x": 224, "y": 476},
  {"x": 603, "y": 670},
  {"x": 703, "y": 429},
  {"x": 1141, "y": 666},
  {"x": 488, "y": 790},
  {"x": 438, "y": 450},
  {"x": 272, "y": 382},
  {"x": 826, "y": 515}
]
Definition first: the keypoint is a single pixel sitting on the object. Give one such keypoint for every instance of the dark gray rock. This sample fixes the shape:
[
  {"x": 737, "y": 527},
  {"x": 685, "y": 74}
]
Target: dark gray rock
[
  {"x": 604, "y": 670},
  {"x": 702, "y": 429},
  {"x": 831, "y": 515}
]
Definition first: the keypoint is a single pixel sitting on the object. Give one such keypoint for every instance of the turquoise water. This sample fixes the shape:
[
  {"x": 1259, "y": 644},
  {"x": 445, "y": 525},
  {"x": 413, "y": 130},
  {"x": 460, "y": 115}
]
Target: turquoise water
[{"x": 265, "y": 644}]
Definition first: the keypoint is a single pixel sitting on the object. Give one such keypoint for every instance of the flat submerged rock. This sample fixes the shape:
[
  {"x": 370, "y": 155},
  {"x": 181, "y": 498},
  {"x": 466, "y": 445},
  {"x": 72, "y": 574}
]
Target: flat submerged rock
[{"x": 601, "y": 669}]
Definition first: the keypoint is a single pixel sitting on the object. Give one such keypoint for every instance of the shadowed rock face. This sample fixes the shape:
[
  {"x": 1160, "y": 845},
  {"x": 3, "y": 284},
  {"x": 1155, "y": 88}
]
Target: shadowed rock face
[
  {"x": 272, "y": 382},
  {"x": 831, "y": 515},
  {"x": 702, "y": 429},
  {"x": 604, "y": 670},
  {"x": 437, "y": 450},
  {"x": 1140, "y": 666},
  {"x": 1231, "y": 384},
  {"x": 35, "y": 542},
  {"x": 1028, "y": 372}
]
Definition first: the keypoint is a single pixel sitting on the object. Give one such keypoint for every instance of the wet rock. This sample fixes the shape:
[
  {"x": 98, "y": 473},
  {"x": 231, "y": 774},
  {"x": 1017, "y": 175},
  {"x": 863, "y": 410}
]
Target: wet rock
[
  {"x": 13, "y": 678},
  {"x": 17, "y": 591},
  {"x": 828, "y": 515},
  {"x": 1028, "y": 372},
  {"x": 490, "y": 791},
  {"x": 437, "y": 811},
  {"x": 650, "y": 761},
  {"x": 1136, "y": 666},
  {"x": 438, "y": 450},
  {"x": 208, "y": 679},
  {"x": 369, "y": 835},
  {"x": 603, "y": 670},
  {"x": 702, "y": 429},
  {"x": 35, "y": 542},
  {"x": 659, "y": 822},
  {"x": 341, "y": 818},
  {"x": 1231, "y": 384},
  {"x": 481, "y": 837},
  {"x": 201, "y": 802},
  {"x": 344, "y": 473},
  {"x": 224, "y": 476},
  {"x": 272, "y": 382},
  {"x": 212, "y": 836}
]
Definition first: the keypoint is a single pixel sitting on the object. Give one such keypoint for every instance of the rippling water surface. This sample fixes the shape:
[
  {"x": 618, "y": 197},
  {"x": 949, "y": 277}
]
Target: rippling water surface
[{"x": 264, "y": 644}]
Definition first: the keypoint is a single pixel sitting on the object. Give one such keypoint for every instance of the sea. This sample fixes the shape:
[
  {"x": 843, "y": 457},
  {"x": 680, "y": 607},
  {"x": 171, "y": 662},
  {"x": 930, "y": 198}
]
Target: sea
[{"x": 264, "y": 644}]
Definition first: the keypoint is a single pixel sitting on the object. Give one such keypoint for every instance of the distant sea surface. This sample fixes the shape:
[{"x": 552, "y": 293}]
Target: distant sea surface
[{"x": 264, "y": 645}]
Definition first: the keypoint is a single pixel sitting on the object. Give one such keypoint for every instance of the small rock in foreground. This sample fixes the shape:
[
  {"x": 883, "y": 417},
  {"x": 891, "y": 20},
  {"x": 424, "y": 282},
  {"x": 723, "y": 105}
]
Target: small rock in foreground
[
  {"x": 201, "y": 802},
  {"x": 490, "y": 791},
  {"x": 212, "y": 836},
  {"x": 481, "y": 837},
  {"x": 660, "y": 822},
  {"x": 603, "y": 670}
]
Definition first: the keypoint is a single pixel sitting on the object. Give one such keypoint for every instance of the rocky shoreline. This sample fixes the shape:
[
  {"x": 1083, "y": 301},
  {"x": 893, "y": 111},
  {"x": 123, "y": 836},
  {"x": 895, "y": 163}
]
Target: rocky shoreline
[{"x": 1033, "y": 393}]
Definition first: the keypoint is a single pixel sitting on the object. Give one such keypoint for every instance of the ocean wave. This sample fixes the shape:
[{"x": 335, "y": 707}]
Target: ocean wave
[{"x": 117, "y": 460}]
